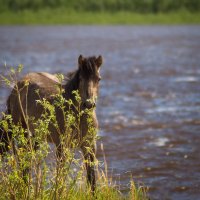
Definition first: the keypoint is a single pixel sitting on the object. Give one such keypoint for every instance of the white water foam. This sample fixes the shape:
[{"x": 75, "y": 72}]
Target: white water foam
[
  {"x": 173, "y": 109},
  {"x": 160, "y": 142},
  {"x": 186, "y": 79}
]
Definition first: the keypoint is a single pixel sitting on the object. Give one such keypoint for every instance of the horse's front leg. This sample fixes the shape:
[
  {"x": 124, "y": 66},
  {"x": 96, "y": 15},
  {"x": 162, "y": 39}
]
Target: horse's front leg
[{"x": 89, "y": 156}]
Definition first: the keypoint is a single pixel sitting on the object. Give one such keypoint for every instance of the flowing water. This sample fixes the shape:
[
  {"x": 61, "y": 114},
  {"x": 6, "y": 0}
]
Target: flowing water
[{"x": 149, "y": 104}]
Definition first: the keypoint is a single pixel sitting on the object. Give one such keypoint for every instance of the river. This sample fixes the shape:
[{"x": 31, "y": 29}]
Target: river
[{"x": 149, "y": 102}]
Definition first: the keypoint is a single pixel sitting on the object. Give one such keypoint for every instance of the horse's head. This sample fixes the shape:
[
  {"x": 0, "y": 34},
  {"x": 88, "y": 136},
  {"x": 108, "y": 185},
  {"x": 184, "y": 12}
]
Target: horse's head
[{"x": 89, "y": 78}]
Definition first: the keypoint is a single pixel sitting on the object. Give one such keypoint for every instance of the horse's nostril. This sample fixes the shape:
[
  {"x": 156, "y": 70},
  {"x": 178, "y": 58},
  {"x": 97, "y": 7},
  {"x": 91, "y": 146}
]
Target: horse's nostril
[
  {"x": 84, "y": 105},
  {"x": 89, "y": 104}
]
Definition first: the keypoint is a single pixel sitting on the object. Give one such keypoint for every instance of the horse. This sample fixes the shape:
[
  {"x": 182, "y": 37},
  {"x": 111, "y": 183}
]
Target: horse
[{"x": 24, "y": 105}]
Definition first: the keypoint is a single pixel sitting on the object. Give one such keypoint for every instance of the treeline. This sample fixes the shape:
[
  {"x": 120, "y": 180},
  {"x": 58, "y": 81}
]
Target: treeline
[{"x": 141, "y": 6}]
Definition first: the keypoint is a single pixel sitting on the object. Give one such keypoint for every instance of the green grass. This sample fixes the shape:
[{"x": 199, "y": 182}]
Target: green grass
[{"x": 61, "y": 16}]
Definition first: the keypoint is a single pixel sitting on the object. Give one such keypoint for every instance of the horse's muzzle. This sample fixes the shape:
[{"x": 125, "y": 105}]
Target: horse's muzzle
[{"x": 89, "y": 105}]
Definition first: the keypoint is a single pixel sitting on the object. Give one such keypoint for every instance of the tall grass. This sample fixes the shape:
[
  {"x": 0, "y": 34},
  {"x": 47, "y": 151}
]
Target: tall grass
[
  {"x": 61, "y": 16},
  {"x": 26, "y": 173},
  {"x": 99, "y": 12}
]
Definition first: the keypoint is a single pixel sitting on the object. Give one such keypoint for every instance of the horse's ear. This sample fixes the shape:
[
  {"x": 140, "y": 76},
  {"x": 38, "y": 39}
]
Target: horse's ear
[
  {"x": 99, "y": 61},
  {"x": 80, "y": 60}
]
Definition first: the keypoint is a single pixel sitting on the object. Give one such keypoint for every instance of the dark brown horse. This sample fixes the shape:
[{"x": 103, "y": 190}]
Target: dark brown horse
[{"x": 22, "y": 105}]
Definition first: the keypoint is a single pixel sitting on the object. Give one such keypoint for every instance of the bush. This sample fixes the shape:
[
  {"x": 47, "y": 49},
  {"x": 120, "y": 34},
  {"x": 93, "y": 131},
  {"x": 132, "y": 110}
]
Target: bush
[
  {"x": 143, "y": 6},
  {"x": 26, "y": 173}
]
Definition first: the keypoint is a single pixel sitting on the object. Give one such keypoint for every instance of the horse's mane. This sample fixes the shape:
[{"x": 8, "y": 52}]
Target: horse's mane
[{"x": 72, "y": 83}]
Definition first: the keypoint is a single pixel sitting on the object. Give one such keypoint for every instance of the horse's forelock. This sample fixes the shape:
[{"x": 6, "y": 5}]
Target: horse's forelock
[{"x": 89, "y": 67}]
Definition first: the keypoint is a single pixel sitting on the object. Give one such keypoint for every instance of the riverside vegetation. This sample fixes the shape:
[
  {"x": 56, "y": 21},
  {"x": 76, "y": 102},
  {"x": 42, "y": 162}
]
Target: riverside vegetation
[
  {"x": 57, "y": 180},
  {"x": 99, "y": 12}
]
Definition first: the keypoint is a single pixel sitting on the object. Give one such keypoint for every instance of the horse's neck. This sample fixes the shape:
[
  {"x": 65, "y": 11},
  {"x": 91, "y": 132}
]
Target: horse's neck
[{"x": 71, "y": 85}]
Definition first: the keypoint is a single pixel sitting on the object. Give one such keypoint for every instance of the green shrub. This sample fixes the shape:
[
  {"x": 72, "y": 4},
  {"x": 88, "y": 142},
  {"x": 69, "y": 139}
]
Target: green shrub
[{"x": 25, "y": 173}]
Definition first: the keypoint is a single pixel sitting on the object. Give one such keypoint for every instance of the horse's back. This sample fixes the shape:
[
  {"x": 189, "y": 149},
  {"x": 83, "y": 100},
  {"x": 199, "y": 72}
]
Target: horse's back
[
  {"x": 32, "y": 87},
  {"x": 45, "y": 82}
]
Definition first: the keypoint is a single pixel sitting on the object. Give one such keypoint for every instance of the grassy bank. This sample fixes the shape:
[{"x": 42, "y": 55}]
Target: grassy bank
[{"x": 61, "y": 16}]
